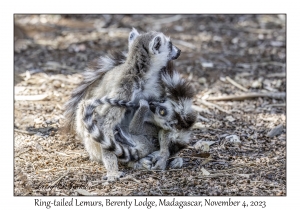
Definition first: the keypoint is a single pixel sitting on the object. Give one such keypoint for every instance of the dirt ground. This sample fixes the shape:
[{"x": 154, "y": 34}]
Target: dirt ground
[{"x": 241, "y": 142}]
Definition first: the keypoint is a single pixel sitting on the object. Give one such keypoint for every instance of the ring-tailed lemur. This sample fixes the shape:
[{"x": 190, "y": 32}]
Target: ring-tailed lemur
[
  {"x": 134, "y": 79},
  {"x": 172, "y": 118}
]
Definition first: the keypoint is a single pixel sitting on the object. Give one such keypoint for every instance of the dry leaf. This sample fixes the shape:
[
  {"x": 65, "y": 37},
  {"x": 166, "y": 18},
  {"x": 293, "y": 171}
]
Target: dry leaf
[
  {"x": 245, "y": 175},
  {"x": 275, "y": 131},
  {"x": 198, "y": 125},
  {"x": 205, "y": 172},
  {"x": 206, "y": 160},
  {"x": 203, "y": 145},
  {"x": 233, "y": 139},
  {"x": 83, "y": 192},
  {"x": 230, "y": 118}
]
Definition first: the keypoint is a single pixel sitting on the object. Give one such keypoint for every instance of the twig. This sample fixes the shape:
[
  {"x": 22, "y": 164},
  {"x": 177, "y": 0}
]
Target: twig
[
  {"x": 63, "y": 154},
  {"x": 271, "y": 63},
  {"x": 236, "y": 84},
  {"x": 130, "y": 178},
  {"x": 193, "y": 157},
  {"x": 203, "y": 118},
  {"x": 213, "y": 105},
  {"x": 22, "y": 152},
  {"x": 30, "y": 97},
  {"x": 278, "y": 95},
  {"x": 258, "y": 30},
  {"x": 229, "y": 169},
  {"x": 214, "y": 175},
  {"x": 199, "y": 109},
  {"x": 283, "y": 74},
  {"x": 160, "y": 190},
  {"x": 25, "y": 132},
  {"x": 121, "y": 179},
  {"x": 276, "y": 105},
  {"x": 60, "y": 178}
]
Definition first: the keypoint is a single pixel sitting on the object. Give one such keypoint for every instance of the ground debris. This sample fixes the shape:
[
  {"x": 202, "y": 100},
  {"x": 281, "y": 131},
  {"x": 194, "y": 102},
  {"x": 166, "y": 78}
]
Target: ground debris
[
  {"x": 83, "y": 192},
  {"x": 275, "y": 131}
]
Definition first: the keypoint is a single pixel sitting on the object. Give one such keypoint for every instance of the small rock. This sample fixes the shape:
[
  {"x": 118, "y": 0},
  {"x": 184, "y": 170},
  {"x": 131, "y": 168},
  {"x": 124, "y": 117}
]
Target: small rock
[
  {"x": 39, "y": 120},
  {"x": 256, "y": 84},
  {"x": 56, "y": 83},
  {"x": 204, "y": 172},
  {"x": 223, "y": 79},
  {"x": 217, "y": 39},
  {"x": 275, "y": 131},
  {"x": 234, "y": 139},
  {"x": 235, "y": 40},
  {"x": 202, "y": 80},
  {"x": 230, "y": 118},
  {"x": 207, "y": 65},
  {"x": 278, "y": 83},
  {"x": 38, "y": 147},
  {"x": 261, "y": 36}
]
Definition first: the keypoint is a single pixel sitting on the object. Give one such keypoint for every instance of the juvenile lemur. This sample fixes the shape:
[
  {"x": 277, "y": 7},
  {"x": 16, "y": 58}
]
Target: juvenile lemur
[
  {"x": 164, "y": 125},
  {"x": 135, "y": 79}
]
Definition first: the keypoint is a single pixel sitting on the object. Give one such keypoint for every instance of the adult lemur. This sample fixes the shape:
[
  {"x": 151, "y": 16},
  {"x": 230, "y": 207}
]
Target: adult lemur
[
  {"x": 164, "y": 125},
  {"x": 137, "y": 78}
]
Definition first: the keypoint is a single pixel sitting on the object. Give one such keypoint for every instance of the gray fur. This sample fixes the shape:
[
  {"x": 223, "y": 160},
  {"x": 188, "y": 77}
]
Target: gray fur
[
  {"x": 93, "y": 73},
  {"x": 137, "y": 78},
  {"x": 174, "y": 127},
  {"x": 147, "y": 126}
]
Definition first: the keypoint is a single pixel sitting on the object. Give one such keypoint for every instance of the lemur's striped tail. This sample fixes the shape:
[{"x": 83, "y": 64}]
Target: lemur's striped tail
[{"x": 120, "y": 150}]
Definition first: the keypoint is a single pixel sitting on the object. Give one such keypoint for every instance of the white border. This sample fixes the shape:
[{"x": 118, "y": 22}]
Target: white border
[{"x": 153, "y": 6}]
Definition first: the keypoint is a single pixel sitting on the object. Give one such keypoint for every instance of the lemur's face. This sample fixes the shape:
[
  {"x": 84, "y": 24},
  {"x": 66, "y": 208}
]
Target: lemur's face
[
  {"x": 163, "y": 114},
  {"x": 173, "y": 115},
  {"x": 159, "y": 47}
]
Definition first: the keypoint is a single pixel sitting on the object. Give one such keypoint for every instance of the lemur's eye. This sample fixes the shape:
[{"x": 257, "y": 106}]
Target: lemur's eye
[
  {"x": 162, "y": 101},
  {"x": 162, "y": 111}
]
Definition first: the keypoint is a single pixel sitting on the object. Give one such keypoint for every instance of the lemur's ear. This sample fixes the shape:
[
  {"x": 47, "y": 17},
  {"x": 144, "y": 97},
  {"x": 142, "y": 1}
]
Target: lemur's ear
[
  {"x": 155, "y": 44},
  {"x": 132, "y": 36}
]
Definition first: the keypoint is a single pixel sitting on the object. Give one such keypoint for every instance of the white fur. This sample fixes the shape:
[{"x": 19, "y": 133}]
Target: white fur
[
  {"x": 106, "y": 63},
  {"x": 134, "y": 33},
  {"x": 171, "y": 81},
  {"x": 158, "y": 61}
]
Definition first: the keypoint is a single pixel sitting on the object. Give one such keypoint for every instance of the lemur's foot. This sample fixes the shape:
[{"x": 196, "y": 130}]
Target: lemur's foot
[
  {"x": 176, "y": 163},
  {"x": 114, "y": 176},
  {"x": 144, "y": 163},
  {"x": 159, "y": 163}
]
